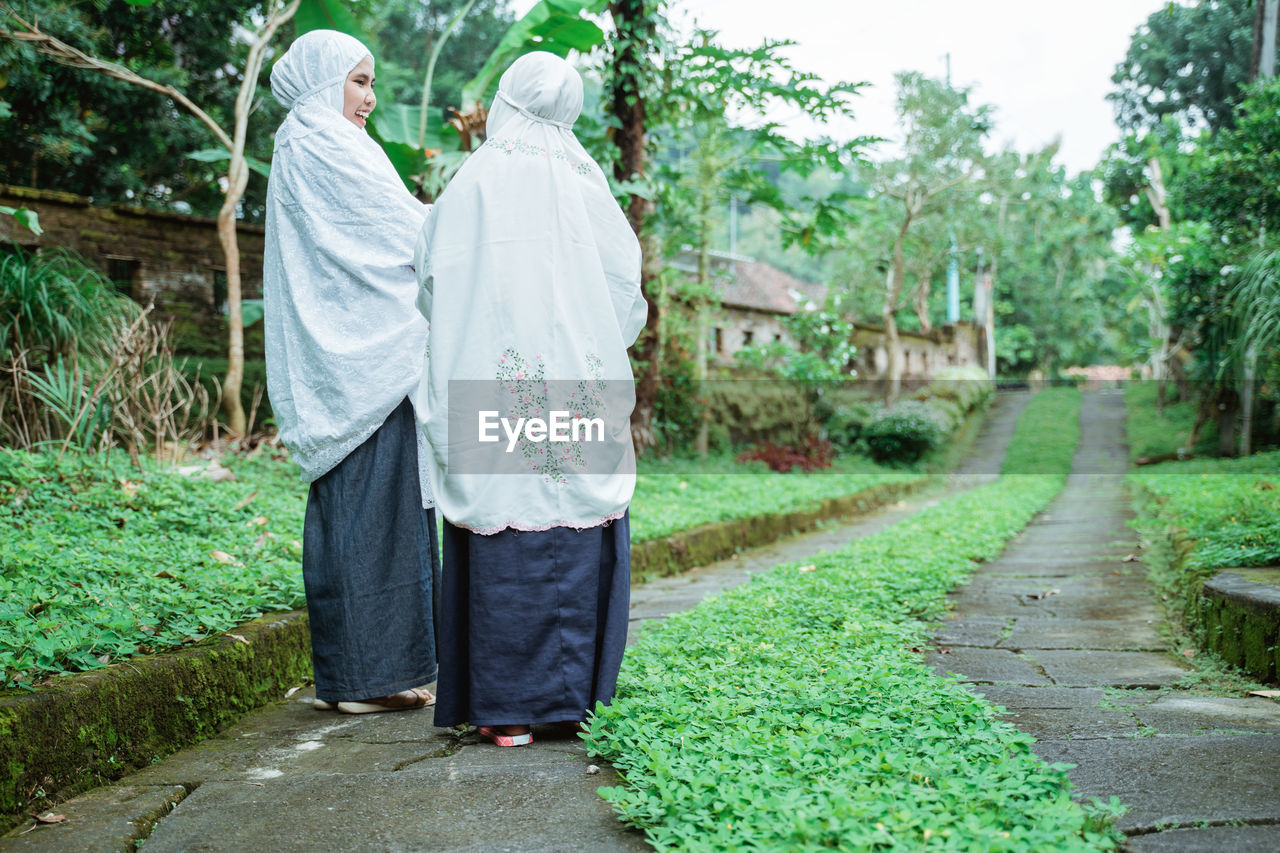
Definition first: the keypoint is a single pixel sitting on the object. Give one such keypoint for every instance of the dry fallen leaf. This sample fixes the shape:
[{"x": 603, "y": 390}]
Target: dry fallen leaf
[
  {"x": 1266, "y": 694},
  {"x": 237, "y": 638},
  {"x": 260, "y": 520},
  {"x": 50, "y": 817},
  {"x": 244, "y": 501},
  {"x": 1265, "y": 486},
  {"x": 291, "y": 691},
  {"x": 592, "y": 769},
  {"x": 166, "y": 575},
  {"x": 1188, "y": 653},
  {"x": 808, "y": 568},
  {"x": 1132, "y": 558},
  {"x": 222, "y": 556}
]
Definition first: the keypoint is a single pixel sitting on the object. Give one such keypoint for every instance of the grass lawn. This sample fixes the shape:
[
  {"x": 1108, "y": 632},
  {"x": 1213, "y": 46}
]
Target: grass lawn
[{"x": 795, "y": 713}]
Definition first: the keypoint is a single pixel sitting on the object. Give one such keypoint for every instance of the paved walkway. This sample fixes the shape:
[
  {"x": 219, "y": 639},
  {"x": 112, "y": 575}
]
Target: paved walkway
[{"x": 1066, "y": 635}]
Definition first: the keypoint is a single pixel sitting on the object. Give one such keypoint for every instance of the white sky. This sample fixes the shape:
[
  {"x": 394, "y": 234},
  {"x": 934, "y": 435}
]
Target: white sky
[{"x": 1046, "y": 67}]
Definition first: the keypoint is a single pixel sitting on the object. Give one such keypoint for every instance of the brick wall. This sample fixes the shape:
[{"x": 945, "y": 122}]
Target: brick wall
[{"x": 169, "y": 258}]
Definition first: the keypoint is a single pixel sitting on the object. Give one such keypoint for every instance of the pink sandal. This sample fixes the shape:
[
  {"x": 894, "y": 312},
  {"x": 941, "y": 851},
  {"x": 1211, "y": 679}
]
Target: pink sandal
[{"x": 499, "y": 739}]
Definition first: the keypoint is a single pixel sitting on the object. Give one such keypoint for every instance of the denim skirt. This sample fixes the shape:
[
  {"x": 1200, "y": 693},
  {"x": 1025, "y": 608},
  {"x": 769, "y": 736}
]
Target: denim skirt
[
  {"x": 371, "y": 566},
  {"x": 532, "y": 624}
]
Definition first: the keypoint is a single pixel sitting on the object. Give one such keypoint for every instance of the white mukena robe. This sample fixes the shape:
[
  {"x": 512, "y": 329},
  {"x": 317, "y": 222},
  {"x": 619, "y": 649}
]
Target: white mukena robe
[
  {"x": 344, "y": 341},
  {"x": 530, "y": 278}
]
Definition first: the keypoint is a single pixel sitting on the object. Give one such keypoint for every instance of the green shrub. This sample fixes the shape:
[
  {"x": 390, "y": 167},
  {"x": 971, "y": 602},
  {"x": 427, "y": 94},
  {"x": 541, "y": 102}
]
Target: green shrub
[
  {"x": 903, "y": 435},
  {"x": 54, "y": 303},
  {"x": 845, "y": 425}
]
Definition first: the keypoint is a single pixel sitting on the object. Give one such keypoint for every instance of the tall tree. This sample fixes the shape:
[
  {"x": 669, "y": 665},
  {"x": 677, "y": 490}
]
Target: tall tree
[
  {"x": 941, "y": 149},
  {"x": 1189, "y": 61},
  {"x": 630, "y": 81},
  {"x": 237, "y": 177},
  {"x": 84, "y": 133}
]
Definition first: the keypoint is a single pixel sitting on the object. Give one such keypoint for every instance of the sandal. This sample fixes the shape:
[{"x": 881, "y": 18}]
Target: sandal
[
  {"x": 499, "y": 739},
  {"x": 405, "y": 700}
]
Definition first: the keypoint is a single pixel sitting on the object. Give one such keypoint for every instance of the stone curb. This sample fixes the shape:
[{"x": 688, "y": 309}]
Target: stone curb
[
  {"x": 86, "y": 729},
  {"x": 1241, "y": 619},
  {"x": 89, "y": 728}
]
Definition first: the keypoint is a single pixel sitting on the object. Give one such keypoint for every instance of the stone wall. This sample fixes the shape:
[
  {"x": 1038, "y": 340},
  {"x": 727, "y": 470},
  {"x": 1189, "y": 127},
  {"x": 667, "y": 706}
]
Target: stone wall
[
  {"x": 924, "y": 353},
  {"x": 734, "y": 328},
  {"x": 170, "y": 259}
]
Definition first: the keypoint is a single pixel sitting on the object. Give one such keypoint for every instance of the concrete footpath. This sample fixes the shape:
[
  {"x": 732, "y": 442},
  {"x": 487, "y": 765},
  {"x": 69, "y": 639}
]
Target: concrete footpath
[{"x": 1064, "y": 631}]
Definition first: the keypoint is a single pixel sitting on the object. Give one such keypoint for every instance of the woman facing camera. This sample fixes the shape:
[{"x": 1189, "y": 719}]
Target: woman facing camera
[
  {"x": 530, "y": 279},
  {"x": 344, "y": 350}
]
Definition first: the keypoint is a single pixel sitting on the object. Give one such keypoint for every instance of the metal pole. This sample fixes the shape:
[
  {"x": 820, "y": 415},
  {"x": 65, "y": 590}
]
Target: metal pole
[{"x": 1267, "y": 62}]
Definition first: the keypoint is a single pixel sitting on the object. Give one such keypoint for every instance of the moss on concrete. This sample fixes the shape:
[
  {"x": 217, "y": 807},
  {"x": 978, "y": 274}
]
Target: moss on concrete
[
  {"x": 1240, "y": 615},
  {"x": 82, "y": 730}
]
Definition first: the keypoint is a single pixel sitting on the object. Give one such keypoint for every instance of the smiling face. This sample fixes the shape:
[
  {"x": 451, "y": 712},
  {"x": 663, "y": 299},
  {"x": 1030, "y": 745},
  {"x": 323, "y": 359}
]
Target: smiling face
[{"x": 358, "y": 99}]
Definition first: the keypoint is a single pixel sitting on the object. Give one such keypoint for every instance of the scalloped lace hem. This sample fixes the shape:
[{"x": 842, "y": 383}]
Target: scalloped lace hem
[{"x": 525, "y": 527}]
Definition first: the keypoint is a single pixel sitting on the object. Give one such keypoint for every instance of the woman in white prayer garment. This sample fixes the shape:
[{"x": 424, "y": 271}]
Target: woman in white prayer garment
[
  {"x": 530, "y": 279},
  {"x": 344, "y": 347}
]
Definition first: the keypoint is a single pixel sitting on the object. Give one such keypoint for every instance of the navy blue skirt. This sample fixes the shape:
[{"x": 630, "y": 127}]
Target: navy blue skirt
[
  {"x": 371, "y": 565},
  {"x": 532, "y": 624}
]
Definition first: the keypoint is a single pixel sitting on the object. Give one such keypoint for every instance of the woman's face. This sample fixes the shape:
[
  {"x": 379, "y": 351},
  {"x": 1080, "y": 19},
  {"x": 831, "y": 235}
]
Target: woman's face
[{"x": 358, "y": 98}]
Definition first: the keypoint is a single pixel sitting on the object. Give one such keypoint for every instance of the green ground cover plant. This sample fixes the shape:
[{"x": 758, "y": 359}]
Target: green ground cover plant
[
  {"x": 1039, "y": 445},
  {"x": 101, "y": 561},
  {"x": 1203, "y": 515},
  {"x": 674, "y": 495},
  {"x": 795, "y": 713}
]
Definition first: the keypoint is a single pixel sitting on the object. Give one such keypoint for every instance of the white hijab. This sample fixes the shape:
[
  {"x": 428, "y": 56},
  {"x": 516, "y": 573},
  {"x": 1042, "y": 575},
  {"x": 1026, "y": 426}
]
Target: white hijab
[
  {"x": 530, "y": 279},
  {"x": 344, "y": 341}
]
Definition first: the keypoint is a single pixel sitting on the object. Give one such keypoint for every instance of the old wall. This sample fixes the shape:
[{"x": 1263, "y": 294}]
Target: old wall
[{"x": 170, "y": 259}]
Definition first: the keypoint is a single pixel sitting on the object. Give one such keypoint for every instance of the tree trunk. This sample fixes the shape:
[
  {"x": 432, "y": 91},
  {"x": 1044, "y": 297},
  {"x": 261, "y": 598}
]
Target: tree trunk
[
  {"x": 1156, "y": 194},
  {"x": 636, "y": 26},
  {"x": 892, "y": 292},
  {"x": 234, "y": 380},
  {"x": 703, "y": 441},
  {"x": 920, "y": 302},
  {"x": 1225, "y": 411},
  {"x": 237, "y": 180}
]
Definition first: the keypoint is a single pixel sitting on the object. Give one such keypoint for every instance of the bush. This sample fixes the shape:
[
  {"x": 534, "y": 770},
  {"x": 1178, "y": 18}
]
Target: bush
[
  {"x": 846, "y": 424},
  {"x": 53, "y": 304},
  {"x": 903, "y": 435},
  {"x": 812, "y": 455}
]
